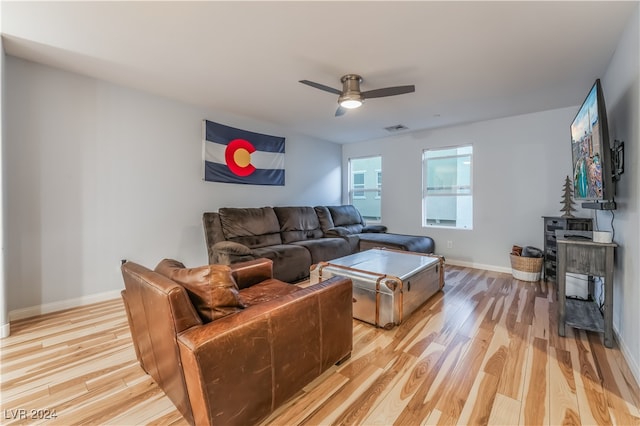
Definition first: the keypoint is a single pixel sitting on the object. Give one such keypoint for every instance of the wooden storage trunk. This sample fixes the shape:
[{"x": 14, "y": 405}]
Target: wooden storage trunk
[{"x": 388, "y": 285}]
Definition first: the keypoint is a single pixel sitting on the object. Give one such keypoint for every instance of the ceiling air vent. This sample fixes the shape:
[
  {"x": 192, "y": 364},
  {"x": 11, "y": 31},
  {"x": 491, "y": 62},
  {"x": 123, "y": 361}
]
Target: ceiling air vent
[{"x": 396, "y": 128}]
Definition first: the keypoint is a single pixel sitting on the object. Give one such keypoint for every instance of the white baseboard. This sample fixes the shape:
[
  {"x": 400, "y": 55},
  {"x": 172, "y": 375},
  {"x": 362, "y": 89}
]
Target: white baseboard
[
  {"x": 5, "y": 330},
  {"x": 47, "y": 308},
  {"x": 626, "y": 354},
  {"x": 478, "y": 266}
]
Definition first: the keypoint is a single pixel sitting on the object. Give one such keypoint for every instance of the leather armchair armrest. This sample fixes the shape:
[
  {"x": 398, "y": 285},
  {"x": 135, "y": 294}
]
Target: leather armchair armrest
[{"x": 252, "y": 272}]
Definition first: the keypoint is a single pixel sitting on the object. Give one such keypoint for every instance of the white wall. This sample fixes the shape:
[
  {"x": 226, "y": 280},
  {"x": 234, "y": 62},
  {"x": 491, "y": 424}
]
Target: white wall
[
  {"x": 621, "y": 86},
  {"x": 98, "y": 173},
  {"x": 519, "y": 167},
  {"x": 4, "y": 312}
]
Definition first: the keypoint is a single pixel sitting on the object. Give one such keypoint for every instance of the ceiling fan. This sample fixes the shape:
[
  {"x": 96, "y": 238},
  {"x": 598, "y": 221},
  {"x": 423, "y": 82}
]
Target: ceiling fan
[{"x": 351, "y": 97}]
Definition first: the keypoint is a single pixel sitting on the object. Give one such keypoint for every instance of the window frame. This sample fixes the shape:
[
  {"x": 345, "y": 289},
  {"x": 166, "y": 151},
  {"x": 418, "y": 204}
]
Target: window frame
[
  {"x": 360, "y": 190},
  {"x": 372, "y": 193},
  {"x": 458, "y": 191}
]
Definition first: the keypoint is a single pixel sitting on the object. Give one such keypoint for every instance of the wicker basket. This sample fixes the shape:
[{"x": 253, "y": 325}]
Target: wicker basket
[{"x": 526, "y": 268}]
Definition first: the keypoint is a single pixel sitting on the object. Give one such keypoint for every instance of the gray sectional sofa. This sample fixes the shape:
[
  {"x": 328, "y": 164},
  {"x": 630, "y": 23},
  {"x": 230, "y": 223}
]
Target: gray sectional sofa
[{"x": 295, "y": 238}]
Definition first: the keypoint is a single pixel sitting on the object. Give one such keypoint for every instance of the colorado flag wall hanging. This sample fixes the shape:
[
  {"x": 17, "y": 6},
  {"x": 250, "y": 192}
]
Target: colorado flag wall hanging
[{"x": 238, "y": 156}]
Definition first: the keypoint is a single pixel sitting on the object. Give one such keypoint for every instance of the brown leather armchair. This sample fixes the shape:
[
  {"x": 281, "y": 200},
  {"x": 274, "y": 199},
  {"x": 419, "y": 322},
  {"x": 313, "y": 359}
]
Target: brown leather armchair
[{"x": 239, "y": 368}]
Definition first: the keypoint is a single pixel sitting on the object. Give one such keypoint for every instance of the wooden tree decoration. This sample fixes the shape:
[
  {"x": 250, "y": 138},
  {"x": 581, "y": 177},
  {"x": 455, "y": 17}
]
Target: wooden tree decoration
[{"x": 567, "y": 199}]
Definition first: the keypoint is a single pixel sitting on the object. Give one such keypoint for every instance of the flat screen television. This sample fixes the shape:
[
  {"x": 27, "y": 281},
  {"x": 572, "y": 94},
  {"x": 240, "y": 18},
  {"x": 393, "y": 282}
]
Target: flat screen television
[{"x": 591, "y": 153}]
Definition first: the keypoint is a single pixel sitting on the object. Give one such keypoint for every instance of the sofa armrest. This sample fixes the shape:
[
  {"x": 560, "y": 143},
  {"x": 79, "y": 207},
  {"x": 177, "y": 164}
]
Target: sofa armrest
[
  {"x": 232, "y": 247},
  {"x": 241, "y": 367},
  {"x": 252, "y": 272},
  {"x": 338, "y": 231},
  {"x": 230, "y": 252},
  {"x": 375, "y": 228}
]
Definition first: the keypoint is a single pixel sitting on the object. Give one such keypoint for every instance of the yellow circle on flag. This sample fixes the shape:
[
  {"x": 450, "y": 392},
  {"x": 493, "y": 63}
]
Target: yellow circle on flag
[{"x": 242, "y": 157}]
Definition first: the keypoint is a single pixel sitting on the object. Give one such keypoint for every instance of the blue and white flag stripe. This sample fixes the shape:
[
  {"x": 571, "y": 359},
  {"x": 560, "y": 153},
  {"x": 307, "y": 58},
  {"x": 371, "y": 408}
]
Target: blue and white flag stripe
[
  {"x": 219, "y": 133},
  {"x": 215, "y": 172},
  {"x": 239, "y": 156}
]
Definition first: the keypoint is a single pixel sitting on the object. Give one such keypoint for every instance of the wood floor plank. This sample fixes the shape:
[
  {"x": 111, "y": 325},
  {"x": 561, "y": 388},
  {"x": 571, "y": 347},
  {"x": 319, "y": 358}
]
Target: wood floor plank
[
  {"x": 505, "y": 411},
  {"x": 591, "y": 400},
  {"x": 429, "y": 391},
  {"x": 398, "y": 396},
  {"x": 458, "y": 387},
  {"x": 343, "y": 397},
  {"x": 297, "y": 409},
  {"x": 485, "y": 350},
  {"x": 629, "y": 390},
  {"x": 563, "y": 402},
  {"x": 512, "y": 378},
  {"x": 144, "y": 412},
  {"x": 536, "y": 409},
  {"x": 476, "y": 411},
  {"x": 541, "y": 318},
  {"x": 617, "y": 407},
  {"x": 357, "y": 411}
]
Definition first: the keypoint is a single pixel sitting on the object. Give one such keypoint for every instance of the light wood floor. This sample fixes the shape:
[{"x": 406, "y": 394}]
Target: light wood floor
[{"x": 484, "y": 351}]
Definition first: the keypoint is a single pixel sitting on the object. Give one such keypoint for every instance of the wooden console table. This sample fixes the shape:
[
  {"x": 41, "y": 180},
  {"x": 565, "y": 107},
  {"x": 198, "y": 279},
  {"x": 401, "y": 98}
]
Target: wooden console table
[{"x": 578, "y": 254}]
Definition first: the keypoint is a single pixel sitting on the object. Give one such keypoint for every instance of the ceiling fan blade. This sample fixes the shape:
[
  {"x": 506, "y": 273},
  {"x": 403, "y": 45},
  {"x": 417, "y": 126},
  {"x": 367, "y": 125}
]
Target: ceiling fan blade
[
  {"x": 340, "y": 111},
  {"x": 321, "y": 87},
  {"x": 388, "y": 91}
]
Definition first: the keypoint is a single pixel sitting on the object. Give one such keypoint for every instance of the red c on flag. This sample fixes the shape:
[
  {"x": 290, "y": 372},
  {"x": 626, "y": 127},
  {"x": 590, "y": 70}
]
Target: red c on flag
[{"x": 237, "y": 155}]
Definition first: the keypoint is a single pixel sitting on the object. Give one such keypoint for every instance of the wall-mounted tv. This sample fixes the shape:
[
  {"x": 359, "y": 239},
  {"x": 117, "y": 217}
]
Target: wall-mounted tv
[{"x": 591, "y": 153}]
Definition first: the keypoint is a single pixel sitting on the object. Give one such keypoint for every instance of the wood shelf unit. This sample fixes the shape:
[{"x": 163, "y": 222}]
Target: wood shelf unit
[
  {"x": 583, "y": 256},
  {"x": 551, "y": 225}
]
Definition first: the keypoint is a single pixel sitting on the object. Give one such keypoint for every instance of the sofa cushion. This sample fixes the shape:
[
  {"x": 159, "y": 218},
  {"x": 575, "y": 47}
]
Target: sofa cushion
[
  {"x": 298, "y": 223},
  {"x": 253, "y": 227},
  {"x": 326, "y": 248},
  {"x": 324, "y": 217},
  {"x": 211, "y": 288},
  {"x": 348, "y": 217}
]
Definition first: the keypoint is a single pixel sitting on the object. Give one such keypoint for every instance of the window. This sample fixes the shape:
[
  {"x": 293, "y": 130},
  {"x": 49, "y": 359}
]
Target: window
[
  {"x": 358, "y": 184},
  {"x": 365, "y": 186},
  {"x": 447, "y": 196}
]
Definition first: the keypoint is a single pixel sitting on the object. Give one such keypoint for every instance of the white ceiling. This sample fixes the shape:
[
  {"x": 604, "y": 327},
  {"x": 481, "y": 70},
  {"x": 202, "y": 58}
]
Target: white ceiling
[{"x": 469, "y": 61}]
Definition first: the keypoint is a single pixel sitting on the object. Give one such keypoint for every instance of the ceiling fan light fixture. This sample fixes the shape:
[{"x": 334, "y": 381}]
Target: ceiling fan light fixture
[
  {"x": 351, "y": 97},
  {"x": 350, "y": 103}
]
